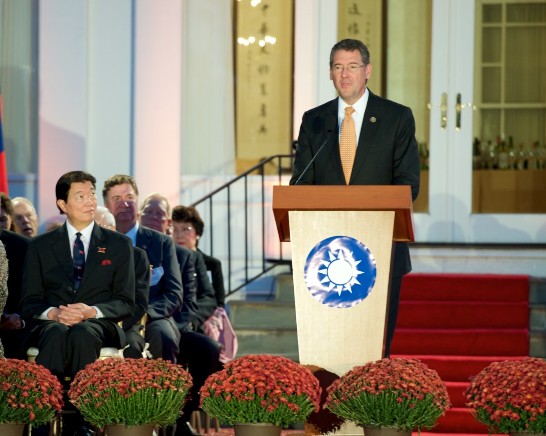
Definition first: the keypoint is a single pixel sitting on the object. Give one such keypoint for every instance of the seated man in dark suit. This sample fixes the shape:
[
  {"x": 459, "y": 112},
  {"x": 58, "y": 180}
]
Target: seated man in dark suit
[
  {"x": 133, "y": 327},
  {"x": 13, "y": 329},
  {"x": 120, "y": 194},
  {"x": 78, "y": 282}
]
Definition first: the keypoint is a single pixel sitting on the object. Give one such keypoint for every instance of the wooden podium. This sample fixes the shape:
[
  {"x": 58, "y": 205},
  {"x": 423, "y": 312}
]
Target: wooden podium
[{"x": 339, "y": 338}]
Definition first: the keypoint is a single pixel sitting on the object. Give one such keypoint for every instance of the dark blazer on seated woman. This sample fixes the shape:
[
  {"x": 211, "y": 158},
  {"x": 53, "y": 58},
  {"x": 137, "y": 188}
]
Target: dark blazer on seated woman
[{"x": 217, "y": 277}]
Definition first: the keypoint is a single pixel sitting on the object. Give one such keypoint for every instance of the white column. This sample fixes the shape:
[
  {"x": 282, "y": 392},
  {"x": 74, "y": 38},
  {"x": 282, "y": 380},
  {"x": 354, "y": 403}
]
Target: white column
[
  {"x": 110, "y": 97},
  {"x": 208, "y": 136},
  {"x": 62, "y": 113},
  {"x": 157, "y": 96},
  {"x": 315, "y": 32}
]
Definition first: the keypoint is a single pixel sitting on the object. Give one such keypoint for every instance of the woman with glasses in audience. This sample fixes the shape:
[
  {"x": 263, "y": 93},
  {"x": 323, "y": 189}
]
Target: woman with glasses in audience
[{"x": 187, "y": 230}]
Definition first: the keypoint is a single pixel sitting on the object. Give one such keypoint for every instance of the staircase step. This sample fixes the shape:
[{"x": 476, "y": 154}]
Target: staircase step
[
  {"x": 463, "y": 314},
  {"x": 268, "y": 341},
  {"x": 262, "y": 314},
  {"x": 537, "y": 344},
  {"x": 456, "y": 392},
  {"x": 285, "y": 287},
  {"x": 462, "y": 287},
  {"x": 486, "y": 342},
  {"x": 459, "y": 420},
  {"x": 458, "y": 368}
]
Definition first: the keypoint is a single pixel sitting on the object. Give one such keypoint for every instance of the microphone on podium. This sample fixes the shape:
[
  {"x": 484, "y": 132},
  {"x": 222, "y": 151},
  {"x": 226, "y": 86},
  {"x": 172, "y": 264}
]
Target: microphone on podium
[{"x": 330, "y": 125}]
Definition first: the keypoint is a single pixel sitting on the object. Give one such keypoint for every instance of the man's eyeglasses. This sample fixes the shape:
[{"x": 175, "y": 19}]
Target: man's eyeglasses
[{"x": 351, "y": 68}]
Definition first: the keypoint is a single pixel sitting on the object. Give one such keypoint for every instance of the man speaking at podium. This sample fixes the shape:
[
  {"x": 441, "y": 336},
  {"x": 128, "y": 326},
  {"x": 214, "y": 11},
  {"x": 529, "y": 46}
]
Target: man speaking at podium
[{"x": 360, "y": 138}]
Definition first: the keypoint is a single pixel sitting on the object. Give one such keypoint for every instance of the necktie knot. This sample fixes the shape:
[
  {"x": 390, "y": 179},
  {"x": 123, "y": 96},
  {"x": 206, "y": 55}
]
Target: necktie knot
[
  {"x": 349, "y": 111},
  {"x": 78, "y": 258}
]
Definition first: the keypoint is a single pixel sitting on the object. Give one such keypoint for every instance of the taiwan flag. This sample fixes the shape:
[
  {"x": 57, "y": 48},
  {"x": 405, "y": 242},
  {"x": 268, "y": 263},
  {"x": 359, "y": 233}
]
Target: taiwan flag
[{"x": 3, "y": 169}]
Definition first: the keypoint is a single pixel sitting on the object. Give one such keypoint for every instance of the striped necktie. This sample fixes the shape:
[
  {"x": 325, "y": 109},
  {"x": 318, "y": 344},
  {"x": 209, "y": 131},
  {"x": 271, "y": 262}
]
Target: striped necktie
[{"x": 78, "y": 257}]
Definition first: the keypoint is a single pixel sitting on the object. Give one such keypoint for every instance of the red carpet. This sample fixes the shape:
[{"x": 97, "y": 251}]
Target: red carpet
[{"x": 458, "y": 324}]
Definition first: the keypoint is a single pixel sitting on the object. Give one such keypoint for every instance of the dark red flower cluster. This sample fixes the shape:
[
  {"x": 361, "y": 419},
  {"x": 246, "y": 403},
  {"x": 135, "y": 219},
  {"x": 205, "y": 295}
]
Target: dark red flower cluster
[
  {"x": 383, "y": 392},
  {"x": 130, "y": 391},
  {"x": 273, "y": 382},
  {"x": 410, "y": 378},
  {"x": 29, "y": 393},
  {"x": 510, "y": 395},
  {"x": 127, "y": 376}
]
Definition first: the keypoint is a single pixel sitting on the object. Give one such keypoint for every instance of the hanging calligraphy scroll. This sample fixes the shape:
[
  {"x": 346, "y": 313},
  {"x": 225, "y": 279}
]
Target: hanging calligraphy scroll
[
  {"x": 363, "y": 20},
  {"x": 264, "y": 58}
]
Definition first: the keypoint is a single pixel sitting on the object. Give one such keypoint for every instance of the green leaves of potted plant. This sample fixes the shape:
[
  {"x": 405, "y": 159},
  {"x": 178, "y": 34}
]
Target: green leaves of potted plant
[
  {"x": 510, "y": 396},
  {"x": 261, "y": 389},
  {"x": 402, "y": 394},
  {"x": 29, "y": 393},
  {"x": 130, "y": 392}
]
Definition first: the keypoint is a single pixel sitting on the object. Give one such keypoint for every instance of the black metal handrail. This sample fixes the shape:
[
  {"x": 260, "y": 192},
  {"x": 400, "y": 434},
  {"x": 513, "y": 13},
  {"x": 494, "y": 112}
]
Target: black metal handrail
[{"x": 209, "y": 201}]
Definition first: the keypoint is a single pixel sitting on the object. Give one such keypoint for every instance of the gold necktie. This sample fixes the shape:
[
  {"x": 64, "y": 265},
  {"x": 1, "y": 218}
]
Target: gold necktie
[{"x": 347, "y": 143}]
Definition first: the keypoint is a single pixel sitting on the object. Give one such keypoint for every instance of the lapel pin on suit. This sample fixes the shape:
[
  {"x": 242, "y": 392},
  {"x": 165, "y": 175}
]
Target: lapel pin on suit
[{"x": 373, "y": 119}]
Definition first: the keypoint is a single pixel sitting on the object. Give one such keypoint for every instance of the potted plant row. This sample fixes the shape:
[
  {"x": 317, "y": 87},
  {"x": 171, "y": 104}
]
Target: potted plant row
[
  {"x": 127, "y": 393},
  {"x": 260, "y": 394},
  {"x": 389, "y": 394},
  {"x": 510, "y": 396},
  {"x": 29, "y": 395}
]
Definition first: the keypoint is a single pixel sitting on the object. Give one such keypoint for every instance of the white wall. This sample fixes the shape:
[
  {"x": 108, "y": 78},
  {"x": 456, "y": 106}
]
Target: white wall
[
  {"x": 130, "y": 87},
  {"x": 63, "y": 109}
]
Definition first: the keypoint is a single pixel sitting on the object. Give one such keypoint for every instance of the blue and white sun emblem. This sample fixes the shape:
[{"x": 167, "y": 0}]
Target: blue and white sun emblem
[{"x": 340, "y": 271}]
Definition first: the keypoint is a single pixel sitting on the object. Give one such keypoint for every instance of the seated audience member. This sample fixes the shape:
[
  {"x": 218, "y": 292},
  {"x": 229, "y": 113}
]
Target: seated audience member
[
  {"x": 54, "y": 223},
  {"x": 13, "y": 329},
  {"x": 78, "y": 282},
  {"x": 7, "y": 215},
  {"x": 187, "y": 230},
  {"x": 104, "y": 218},
  {"x": 133, "y": 326},
  {"x": 26, "y": 217},
  {"x": 199, "y": 352},
  {"x": 3, "y": 287},
  {"x": 120, "y": 194}
]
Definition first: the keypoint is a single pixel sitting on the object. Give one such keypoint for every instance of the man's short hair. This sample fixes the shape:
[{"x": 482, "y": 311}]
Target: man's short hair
[
  {"x": 104, "y": 217},
  {"x": 16, "y": 200},
  {"x": 65, "y": 181},
  {"x": 118, "y": 179},
  {"x": 159, "y": 197},
  {"x": 351, "y": 45}
]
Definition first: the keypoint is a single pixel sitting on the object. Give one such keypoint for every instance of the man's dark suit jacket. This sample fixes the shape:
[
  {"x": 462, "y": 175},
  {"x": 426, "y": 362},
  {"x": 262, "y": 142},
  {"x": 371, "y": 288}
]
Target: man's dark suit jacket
[
  {"x": 199, "y": 299},
  {"x": 166, "y": 295},
  {"x": 133, "y": 327},
  {"x": 387, "y": 153},
  {"x": 142, "y": 289},
  {"x": 108, "y": 281}
]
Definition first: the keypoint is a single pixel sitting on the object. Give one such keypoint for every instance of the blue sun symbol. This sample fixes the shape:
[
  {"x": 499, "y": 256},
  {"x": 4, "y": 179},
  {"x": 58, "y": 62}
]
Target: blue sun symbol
[{"x": 340, "y": 272}]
